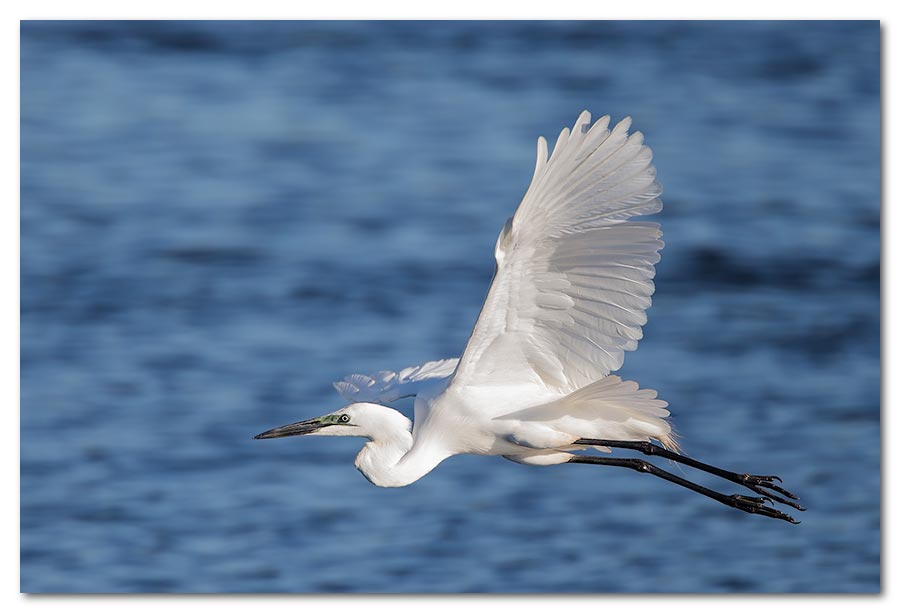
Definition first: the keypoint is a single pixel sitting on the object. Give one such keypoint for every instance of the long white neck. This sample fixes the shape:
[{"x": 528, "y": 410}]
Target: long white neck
[{"x": 390, "y": 459}]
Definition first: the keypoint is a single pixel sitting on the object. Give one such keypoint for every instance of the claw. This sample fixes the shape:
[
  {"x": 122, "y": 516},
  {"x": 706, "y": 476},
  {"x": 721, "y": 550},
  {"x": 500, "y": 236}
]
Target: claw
[
  {"x": 756, "y": 482},
  {"x": 790, "y": 503},
  {"x": 765, "y": 485},
  {"x": 749, "y": 477},
  {"x": 782, "y": 491},
  {"x": 750, "y": 504},
  {"x": 753, "y": 499},
  {"x": 759, "y": 490}
]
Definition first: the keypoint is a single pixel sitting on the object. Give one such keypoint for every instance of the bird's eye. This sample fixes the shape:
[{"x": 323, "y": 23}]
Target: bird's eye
[{"x": 344, "y": 418}]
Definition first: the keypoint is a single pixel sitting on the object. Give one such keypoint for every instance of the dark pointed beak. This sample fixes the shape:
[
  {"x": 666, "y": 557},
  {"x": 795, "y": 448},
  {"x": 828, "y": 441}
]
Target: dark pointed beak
[{"x": 295, "y": 429}]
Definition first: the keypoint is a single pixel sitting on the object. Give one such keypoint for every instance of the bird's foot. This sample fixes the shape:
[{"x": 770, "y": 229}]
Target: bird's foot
[
  {"x": 758, "y": 506},
  {"x": 766, "y": 486}
]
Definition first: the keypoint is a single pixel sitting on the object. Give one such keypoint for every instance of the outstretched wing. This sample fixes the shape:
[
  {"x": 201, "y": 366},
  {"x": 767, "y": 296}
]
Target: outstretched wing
[
  {"x": 387, "y": 385},
  {"x": 573, "y": 277}
]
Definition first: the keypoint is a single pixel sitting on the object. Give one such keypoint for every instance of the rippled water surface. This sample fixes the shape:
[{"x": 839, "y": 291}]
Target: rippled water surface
[{"x": 218, "y": 219}]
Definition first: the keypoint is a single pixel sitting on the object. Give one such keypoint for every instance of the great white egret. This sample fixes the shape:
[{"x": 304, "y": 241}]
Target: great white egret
[{"x": 573, "y": 278}]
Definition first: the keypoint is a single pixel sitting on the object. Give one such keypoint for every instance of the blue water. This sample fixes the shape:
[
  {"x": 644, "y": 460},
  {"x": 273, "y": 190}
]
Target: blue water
[{"x": 219, "y": 219}]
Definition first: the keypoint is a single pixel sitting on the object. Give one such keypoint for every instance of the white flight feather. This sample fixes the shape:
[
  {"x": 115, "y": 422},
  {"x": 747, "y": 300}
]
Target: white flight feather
[
  {"x": 573, "y": 278},
  {"x": 387, "y": 385}
]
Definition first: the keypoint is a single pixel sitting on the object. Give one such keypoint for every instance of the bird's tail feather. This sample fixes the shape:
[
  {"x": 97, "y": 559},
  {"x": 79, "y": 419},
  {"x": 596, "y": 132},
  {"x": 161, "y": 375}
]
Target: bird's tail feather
[{"x": 608, "y": 409}]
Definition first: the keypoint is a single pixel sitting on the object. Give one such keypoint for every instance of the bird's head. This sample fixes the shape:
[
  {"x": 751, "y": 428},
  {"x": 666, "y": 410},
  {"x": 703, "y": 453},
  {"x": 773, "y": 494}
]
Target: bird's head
[{"x": 358, "y": 419}]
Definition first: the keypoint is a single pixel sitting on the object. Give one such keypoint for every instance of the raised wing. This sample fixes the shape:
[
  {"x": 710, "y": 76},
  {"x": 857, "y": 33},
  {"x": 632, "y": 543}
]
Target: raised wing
[
  {"x": 387, "y": 385},
  {"x": 573, "y": 277}
]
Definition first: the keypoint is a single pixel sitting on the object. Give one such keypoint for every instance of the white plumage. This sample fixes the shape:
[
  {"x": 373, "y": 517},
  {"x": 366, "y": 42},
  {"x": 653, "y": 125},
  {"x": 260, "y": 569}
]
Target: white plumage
[
  {"x": 572, "y": 282},
  {"x": 573, "y": 279},
  {"x": 387, "y": 385}
]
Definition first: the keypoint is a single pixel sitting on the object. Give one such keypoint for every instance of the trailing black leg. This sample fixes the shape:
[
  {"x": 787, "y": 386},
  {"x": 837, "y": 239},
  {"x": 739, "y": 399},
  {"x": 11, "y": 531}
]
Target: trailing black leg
[
  {"x": 762, "y": 485},
  {"x": 748, "y": 504}
]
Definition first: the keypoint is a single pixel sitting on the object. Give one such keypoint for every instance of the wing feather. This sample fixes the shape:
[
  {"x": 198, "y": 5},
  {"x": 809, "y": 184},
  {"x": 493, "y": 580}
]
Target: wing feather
[
  {"x": 574, "y": 277},
  {"x": 387, "y": 385}
]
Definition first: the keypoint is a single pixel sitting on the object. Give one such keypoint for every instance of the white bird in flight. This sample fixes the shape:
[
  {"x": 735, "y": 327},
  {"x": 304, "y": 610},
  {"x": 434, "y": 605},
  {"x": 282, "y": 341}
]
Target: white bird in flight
[{"x": 573, "y": 278}]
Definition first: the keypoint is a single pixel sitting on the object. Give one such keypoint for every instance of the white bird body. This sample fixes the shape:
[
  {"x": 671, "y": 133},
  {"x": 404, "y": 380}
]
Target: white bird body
[
  {"x": 523, "y": 423},
  {"x": 573, "y": 278}
]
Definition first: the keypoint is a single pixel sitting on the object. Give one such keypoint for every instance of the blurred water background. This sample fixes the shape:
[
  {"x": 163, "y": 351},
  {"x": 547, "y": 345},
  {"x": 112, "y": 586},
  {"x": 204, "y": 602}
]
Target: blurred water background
[{"x": 219, "y": 219}]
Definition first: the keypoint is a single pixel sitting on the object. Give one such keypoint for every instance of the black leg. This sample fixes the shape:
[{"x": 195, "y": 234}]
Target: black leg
[
  {"x": 747, "y": 504},
  {"x": 756, "y": 483}
]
